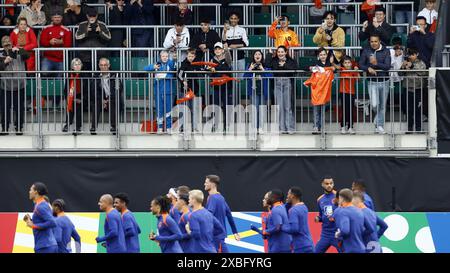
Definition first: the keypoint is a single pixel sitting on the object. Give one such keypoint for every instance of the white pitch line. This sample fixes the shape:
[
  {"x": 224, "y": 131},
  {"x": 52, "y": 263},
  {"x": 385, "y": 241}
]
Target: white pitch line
[
  {"x": 247, "y": 217},
  {"x": 245, "y": 245}
]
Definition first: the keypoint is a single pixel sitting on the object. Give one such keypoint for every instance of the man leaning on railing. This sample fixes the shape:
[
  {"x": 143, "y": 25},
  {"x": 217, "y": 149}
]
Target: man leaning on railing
[{"x": 374, "y": 58}]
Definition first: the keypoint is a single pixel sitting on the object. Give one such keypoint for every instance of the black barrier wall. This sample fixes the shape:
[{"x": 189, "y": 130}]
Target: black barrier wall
[
  {"x": 443, "y": 111},
  {"x": 420, "y": 184}
]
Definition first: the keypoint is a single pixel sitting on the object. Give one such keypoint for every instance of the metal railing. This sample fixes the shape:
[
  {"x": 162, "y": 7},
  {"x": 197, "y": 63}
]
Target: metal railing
[
  {"x": 272, "y": 103},
  {"x": 446, "y": 56},
  {"x": 159, "y": 32},
  {"x": 248, "y": 10}
]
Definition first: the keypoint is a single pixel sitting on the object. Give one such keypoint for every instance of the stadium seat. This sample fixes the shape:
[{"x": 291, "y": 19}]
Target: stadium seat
[
  {"x": 257, "y": 40},
  {"x": 308, "y": 41},
  {"x": 293, "y": 18},
  {"x": 138, "y": 63},
  {"x": 262, "y": 19},
  {"x": 49, "y": 87},
  {"x": 115, "y": 63},
  {"x": 305, "y": 62},
  {"x": 137, "y": 88}
]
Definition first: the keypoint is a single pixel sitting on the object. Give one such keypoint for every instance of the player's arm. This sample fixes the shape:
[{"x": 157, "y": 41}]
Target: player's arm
[
  {"x": 77, "y": 239},
  {"x": 277, "y": 221},
  {"x": 343, "y": 223},
  {"x": 383, "y": 226},
  {"x": 194, "y": 227},
  {"x": 294, "y": 224},
  {"x": 113, "y": 231},
  {"x": 174, "y": 230},
  {"x": 231, "y": 220},
  {"x": 319, "y": 217}
]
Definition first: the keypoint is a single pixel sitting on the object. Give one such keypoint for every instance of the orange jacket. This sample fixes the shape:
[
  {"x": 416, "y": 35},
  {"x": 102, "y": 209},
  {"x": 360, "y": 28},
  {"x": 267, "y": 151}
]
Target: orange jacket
[
  {"x": 285, "y": 38},
  {"x": 321, "y": 83}
]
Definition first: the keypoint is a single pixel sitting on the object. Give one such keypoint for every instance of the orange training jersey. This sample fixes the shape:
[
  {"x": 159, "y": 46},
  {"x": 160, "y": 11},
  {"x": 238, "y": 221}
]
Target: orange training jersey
[
  {"x": 321, "y": 83},
  {"x": 285, "y": 38}
]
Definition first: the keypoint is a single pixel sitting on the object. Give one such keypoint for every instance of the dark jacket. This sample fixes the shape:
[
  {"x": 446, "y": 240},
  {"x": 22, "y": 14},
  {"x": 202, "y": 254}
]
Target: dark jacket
[
  {"x": 72, "y": 19},
  {"x": 209, "y": 39},
  {"x": 181, "y": 73},
  {"x": 92, "y": 39},
  {"x": 114, "y": 80},
  {"x": 383, "y": 56},
  {"x": 252, "y": 82},
  {"x": 424, "y": 44},
  {"x": 273, "y": 64},
  {"x": 141, "y": 16},
  {"x": 176, "y": 16},
  {"x": 117, "y": 17},
  {"x": 385, "y": 31}
]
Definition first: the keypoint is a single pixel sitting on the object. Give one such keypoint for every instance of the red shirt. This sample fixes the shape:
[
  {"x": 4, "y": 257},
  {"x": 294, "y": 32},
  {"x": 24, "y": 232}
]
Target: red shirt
[{"x": 58, "y": 32}]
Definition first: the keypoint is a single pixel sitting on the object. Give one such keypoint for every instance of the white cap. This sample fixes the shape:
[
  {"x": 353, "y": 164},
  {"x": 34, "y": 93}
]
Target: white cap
[{"x": 218, "y": 44}]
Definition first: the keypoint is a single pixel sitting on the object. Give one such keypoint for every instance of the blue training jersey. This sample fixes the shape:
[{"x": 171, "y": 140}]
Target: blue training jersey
[
  {"x": 169, "y": 234},
  {"x": 114, "y": 235},
  {"x": 277, "y": 221},
  {"x": 369, "y": 202},
  {"x": 185, "y": 238},
  {"x": 299, "y": 229},
  {"x": 201, "y": 224},
  {"x": 64, "y": 232},
  {"x": 43, "y": 225},
  {"x": 326, "y": 209},
  {"x": 132, "y": 231},
  {"x": 350, "y": 222},
  {"x": 217, "y": 205},
  {"x": 174, "y": 213}
]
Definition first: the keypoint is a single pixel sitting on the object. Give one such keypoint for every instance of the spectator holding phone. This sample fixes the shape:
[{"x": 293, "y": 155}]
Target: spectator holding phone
[
  {"x": 178, "y": 38},
  {"x": 378, "y": 26},
  {"x": 283, "y": 35},
  {"x": 422, "y": 40},
  {"x": 329, "y": 34},
  {"x": 258, "y": 85}
]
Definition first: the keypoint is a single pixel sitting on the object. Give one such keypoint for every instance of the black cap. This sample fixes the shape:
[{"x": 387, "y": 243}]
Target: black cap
[{"x": 91, "y": 12}]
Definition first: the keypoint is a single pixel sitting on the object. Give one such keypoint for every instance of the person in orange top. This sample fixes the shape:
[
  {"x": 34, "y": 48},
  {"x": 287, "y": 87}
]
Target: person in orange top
[
  {"x": 347, "y": 87},
  {"x": 283, "y": 35},
  {"x": 321, "y": 84},
  {"x": 23, "y": 37}
]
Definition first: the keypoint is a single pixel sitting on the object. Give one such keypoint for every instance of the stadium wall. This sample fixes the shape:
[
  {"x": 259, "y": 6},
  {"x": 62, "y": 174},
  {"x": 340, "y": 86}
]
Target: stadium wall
[
  {"x": 395, "y": 184},
  {"x": 406, "y": 233}
]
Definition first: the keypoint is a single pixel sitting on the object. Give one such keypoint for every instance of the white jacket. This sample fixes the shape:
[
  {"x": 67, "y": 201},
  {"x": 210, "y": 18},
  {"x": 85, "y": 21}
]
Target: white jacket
[
  {"x": 396, "y": 64},
  {"x": 171, "y": 36},
  {"x": 429, "y": 14}
]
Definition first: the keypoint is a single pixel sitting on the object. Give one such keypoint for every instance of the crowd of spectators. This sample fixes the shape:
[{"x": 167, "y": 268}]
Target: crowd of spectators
[{"x": 44, "y": 23}]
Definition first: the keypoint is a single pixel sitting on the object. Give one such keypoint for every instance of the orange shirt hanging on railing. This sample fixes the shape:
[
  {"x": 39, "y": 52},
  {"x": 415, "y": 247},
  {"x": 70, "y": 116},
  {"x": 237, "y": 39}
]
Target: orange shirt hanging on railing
[{"x": 320, "y": 82}]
